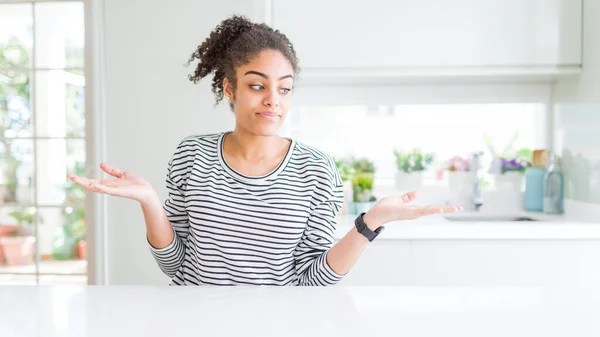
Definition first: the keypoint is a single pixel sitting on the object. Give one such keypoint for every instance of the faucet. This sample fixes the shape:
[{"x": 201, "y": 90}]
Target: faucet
[{"x": 476, "y": 199}]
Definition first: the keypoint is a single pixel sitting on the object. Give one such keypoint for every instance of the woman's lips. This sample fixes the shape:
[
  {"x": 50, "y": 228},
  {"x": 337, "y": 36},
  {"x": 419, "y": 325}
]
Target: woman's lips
[{"x": 269, "y": 115}]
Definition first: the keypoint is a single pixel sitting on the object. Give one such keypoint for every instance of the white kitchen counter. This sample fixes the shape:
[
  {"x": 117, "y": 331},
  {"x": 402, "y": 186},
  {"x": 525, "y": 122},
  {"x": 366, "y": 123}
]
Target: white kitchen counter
[
  {"x": 437, "y": 227},
  {"x": 116, "y": 311}
]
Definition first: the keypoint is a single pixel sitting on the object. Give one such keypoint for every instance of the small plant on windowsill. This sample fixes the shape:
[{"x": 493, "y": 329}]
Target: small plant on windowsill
[
  {"x": 18, "y": 245},
  {"x": 410, "y": 167},
  {"x": 362, "y": 185}
]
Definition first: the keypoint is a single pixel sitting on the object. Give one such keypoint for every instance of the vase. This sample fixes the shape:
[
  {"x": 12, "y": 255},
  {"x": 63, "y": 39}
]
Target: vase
[
  {"x": 460, "y": 180},
  {"x": 18, "y": 250},
  {"x": 511, "y": 180},
  {"x": 409, "y": 181}
]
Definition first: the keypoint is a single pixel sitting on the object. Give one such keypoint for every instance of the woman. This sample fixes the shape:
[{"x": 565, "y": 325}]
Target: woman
[{"x": 248, "y": 206}]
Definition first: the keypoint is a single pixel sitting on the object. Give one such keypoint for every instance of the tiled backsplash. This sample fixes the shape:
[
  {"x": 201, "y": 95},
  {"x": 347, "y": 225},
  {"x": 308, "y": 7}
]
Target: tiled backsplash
[{"x": 577, "y": 141}]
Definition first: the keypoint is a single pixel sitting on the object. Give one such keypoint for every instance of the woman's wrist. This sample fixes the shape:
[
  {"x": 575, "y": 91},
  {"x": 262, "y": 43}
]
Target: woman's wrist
[{"x": 372, "y": 221}]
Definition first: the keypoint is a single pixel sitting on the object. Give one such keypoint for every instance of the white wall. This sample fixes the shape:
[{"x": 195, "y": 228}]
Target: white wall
[
  {"x": 150, "y": 106},
  {"x": 577, "y": 119}
]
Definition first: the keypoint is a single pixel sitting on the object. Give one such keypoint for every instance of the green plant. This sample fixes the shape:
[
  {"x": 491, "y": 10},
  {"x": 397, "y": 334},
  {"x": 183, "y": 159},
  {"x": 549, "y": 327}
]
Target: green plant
[
  {"x": 25, "y": 218},
  {"x": 14, "y": 92},
  {"x": 362, "y": 187},
  {"x": 345, "y": 168},
  {"x": 363, "y": 165},
  {"x": 413, "y": 161}
]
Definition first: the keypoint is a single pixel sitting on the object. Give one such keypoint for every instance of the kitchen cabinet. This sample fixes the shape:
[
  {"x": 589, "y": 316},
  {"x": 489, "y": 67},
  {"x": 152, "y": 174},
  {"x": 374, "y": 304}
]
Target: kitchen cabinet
[
  {"x": 388, "y": 38},
  {"x": 478, "y": 263}
]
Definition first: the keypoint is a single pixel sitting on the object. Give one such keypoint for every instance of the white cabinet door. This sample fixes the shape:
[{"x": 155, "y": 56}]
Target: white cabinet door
[
  {"x": 383, "y": 263},
  {"x": 431, "y": 33},
  {"x": 505, "y": 262},
  {"x": 477, "y": 263}
]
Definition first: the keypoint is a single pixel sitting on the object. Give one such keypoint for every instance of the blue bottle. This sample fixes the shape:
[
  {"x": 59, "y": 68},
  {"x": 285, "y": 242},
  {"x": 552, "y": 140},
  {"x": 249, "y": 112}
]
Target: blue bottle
[
  {"x": 533, "y": 197},
  {"x": 554, "y": 187}
]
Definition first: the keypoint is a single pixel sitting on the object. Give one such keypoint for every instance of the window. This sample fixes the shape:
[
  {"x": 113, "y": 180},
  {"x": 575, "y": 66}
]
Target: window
[
  {"x": 441, "y": 123},
  {"x": 42, "y": 138}
]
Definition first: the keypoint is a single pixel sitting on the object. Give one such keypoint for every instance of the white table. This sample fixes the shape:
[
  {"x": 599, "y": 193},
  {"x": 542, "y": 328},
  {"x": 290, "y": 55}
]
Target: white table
[{"x": 294, "y": 311}]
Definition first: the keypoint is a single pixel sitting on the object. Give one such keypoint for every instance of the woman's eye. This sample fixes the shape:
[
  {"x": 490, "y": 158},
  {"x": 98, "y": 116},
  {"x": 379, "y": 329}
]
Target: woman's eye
[
  {"x": 256, "y": 86},
  {"x": 285, "y": 90}
]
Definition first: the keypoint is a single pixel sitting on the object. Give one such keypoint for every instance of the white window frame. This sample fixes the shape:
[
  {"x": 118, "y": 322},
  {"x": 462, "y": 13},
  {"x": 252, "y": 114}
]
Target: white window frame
[{"x": 94, "y": 94}]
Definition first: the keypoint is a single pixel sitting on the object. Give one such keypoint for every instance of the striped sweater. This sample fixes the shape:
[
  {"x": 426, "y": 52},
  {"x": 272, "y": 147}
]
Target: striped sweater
[{"x": 232, "y": 229}]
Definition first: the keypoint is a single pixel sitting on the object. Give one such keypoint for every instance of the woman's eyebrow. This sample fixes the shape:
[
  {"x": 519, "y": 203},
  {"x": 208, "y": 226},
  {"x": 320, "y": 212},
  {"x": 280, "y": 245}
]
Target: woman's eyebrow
[{"x": 265, "y": 76}]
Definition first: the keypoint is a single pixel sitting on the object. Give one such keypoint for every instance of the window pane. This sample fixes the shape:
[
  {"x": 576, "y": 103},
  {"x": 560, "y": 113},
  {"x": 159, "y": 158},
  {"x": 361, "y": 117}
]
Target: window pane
[
  {"x": 16, "y": 172},
  {"x": 446, "y": 130},
  {"x": 16, "y": 35},
  {"x": 59, "y": 33},
  {"x": 60, "y": 103},
  {"x": 62, "y": 240},
  {"x": 17, "y": 239},
  {"x": 15, "y": 111},
  {"x": 16, "y": 279},
  {"x": 56, "y": 158}
]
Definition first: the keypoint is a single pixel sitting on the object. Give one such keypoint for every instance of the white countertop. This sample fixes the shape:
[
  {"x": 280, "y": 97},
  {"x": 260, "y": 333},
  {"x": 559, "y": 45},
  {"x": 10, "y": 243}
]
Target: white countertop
[
  {"x": 100, "y": 311},
  {"x": 437, "y": 227}
]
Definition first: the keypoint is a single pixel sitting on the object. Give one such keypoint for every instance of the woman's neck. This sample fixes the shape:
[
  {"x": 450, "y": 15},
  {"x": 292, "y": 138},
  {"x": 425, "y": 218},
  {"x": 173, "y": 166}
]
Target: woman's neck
[{"x": 250, "y": 147}]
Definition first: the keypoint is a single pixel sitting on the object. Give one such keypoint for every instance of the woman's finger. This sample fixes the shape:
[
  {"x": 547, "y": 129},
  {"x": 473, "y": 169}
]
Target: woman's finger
[
  {"x": 408, "y": 197},
  {"x": 81, "y": 181},
  {"x": 93, "y": 185},
  {"x": 430, "y": 210},
  {"x": 113, "y": 171}
]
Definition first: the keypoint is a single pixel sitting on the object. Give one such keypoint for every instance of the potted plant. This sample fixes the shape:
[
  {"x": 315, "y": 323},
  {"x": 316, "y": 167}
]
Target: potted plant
[
  {"x": 18, "y": 245},
  {"x": 410, "y": 167},
  {"x": 511, "y": 176},
  {"x": 458, "y": 172},
  {"x": 346, "y": 171},
  {"x": 362, "y": 185}
]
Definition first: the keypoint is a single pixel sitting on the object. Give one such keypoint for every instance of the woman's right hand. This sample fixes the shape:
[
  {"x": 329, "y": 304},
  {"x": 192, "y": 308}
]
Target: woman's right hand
[{"x": 127, "y": 185}]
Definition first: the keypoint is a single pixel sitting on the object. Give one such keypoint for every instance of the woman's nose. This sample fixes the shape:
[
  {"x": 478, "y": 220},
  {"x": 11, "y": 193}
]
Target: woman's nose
[{"x": 272, "y": 99}]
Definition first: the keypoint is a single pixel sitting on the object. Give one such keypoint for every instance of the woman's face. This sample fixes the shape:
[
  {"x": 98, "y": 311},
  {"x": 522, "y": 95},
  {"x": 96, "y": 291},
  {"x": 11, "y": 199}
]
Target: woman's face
[{"x": 263, "y": 94}]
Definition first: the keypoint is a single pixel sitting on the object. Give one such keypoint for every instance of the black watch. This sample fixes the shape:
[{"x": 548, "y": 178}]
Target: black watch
[{"x": 362, "y": 228}]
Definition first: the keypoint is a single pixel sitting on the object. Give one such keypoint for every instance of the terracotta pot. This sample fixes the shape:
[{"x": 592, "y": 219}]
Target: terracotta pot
[
  {"x": 82, "y": 250},
  {"x": 4, "y": 231},
  {"x": 18, "y": 250}
]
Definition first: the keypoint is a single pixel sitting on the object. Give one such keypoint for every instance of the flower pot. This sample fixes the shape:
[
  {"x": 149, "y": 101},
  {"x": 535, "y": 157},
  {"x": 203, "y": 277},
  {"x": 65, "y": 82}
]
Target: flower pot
[
  {"x": 460, "y": 180},
  {"x": 81, "y": 250},
  {"x": 407, "y": 182},
  {"x": 4, "y": 231},
  {"x": 511, "y": 180},
  {"x": 360, "y": 207},
  {"x": 18, "y": 250}
]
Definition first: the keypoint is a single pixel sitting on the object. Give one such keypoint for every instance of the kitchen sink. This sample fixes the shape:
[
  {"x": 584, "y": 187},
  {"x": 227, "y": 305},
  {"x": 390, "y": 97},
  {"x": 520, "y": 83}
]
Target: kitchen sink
[{"x": 475, "y": 216}]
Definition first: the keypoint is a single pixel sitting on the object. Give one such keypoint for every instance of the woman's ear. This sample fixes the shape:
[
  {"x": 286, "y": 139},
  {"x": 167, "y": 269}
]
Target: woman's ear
[{"x": 228, "y": 89}]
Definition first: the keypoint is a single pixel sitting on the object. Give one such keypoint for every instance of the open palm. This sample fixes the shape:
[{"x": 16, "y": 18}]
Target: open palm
[
  {"x": 397, "y": 208},
  {"x": 127, "y": 185}
]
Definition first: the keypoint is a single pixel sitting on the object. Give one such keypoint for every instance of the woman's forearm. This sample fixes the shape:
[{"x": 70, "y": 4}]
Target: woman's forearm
[
  {"x": 158, "y": 228},
  {"x": 344, "y": 254}
]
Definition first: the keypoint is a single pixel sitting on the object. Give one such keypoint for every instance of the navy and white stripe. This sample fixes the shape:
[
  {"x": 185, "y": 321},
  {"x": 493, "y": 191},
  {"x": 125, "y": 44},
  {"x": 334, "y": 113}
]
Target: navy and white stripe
[{"x": 233, "y": 229}]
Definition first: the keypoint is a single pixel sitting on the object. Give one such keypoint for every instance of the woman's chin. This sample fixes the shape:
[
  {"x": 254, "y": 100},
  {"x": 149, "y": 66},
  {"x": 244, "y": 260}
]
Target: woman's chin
[{"x": 266, "y": 130}]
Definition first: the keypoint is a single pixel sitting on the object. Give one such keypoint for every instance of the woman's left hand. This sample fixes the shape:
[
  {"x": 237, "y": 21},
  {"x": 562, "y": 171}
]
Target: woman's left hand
[{"x": 398, "y": 208}]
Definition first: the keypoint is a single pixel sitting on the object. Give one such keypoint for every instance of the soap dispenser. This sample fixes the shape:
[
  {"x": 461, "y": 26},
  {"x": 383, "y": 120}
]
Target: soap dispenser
[
  {"x": 554, "y": 187},
  {"x": 533, "y": 197}
]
